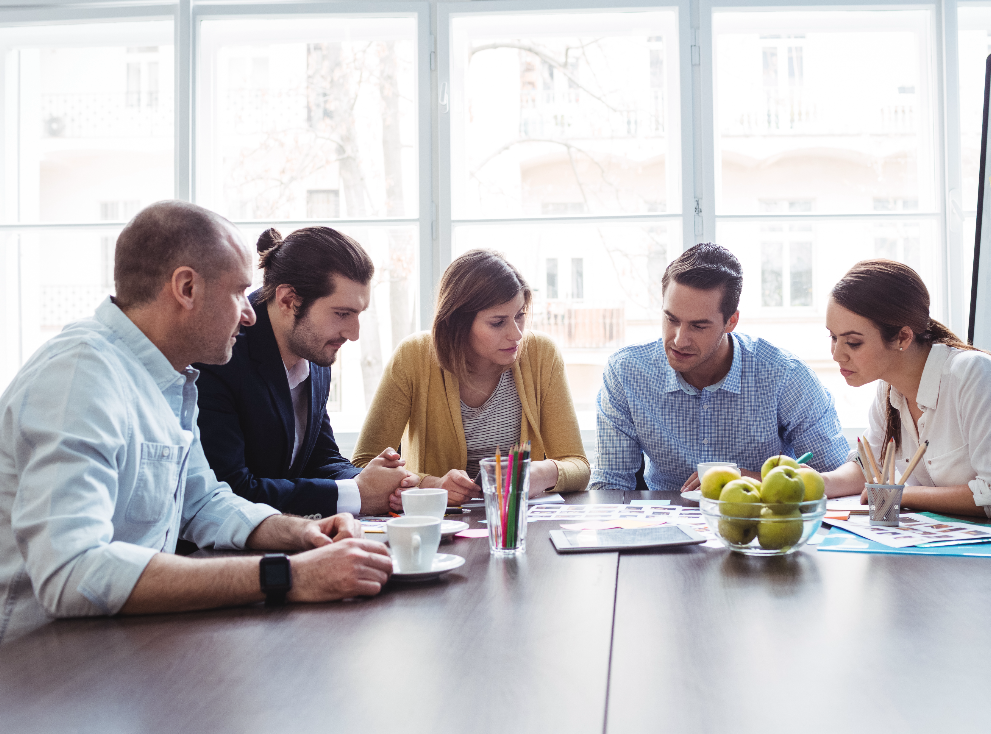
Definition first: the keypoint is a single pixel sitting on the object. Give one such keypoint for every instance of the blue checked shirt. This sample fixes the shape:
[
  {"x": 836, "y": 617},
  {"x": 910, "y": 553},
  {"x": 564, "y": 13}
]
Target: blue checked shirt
[{"x": 769, "y": 403}]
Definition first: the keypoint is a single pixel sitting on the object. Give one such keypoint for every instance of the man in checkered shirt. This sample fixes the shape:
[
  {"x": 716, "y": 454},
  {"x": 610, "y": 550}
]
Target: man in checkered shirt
[{"x": 705, "y": 393}]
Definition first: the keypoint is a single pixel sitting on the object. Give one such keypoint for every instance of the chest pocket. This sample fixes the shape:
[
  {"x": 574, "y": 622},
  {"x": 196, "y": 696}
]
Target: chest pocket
[
  {"x": 951, "y": 467},
  {"x": 158, "y": 477}
]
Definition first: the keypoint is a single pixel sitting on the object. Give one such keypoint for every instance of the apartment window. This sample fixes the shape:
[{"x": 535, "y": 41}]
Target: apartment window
[
  {"x": 561, "y": 116},
  {"x": 825, "y": 154}
]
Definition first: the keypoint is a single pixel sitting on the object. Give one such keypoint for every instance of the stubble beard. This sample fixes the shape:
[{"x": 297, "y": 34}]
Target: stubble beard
[{"x": 303, "y": 344}]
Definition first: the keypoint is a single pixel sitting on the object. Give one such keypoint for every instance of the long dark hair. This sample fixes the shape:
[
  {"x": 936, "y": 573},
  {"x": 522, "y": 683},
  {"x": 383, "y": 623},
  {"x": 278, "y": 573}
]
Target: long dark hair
[
  {"x": 477, "y": 280},
  {"x": 306, "y": 258},
  {"x": 892, "y": 296}
]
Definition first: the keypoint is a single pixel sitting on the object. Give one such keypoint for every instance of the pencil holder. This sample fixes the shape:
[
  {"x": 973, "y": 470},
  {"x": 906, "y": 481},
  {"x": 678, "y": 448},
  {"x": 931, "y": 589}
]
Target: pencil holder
[
  {"x": 506, "y": 487},
  {"x": 885, "y": 503}
]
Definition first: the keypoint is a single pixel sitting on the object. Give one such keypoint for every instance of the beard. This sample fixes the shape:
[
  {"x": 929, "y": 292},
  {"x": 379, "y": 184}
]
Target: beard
[{"x": 305, "y": 343}]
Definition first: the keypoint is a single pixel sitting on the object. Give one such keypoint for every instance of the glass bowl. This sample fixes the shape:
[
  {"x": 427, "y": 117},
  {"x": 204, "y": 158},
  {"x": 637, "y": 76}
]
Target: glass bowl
[{"x": 760, "y": 529}]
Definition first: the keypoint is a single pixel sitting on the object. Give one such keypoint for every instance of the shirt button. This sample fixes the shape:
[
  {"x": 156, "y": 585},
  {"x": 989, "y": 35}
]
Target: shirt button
[
  {"x": 166, "y": 452},
  {"x": 705, "y": 440}
]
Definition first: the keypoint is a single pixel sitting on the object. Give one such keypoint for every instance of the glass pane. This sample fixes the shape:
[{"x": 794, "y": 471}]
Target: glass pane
[
  {"x": 835, "y": 108},
  {"x": 817, "y": 257},
  {"x": 308, "y": 118},
  {"x": 590, "y": 318},
  {"x": 975, "y": 45},
  {"x": 49, "y": 279},
  {"x": 391, "y": 316},
  {"x": 565, "y": 114},
  {"x": 89, "y": 133}
]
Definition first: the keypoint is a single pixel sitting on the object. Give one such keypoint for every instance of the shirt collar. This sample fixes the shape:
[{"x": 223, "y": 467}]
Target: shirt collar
[
  {"x": 109, "y": 314},
  {"x": 672, "y": 380},
  {"x": 929, "y": 384},
  {"x": 298, "y": 374}
]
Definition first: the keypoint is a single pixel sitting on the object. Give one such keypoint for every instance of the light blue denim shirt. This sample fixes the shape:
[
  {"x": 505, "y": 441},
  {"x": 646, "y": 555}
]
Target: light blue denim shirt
[
  {"x": 100, "y": 469},
  {"x": 769, "y": 403}
]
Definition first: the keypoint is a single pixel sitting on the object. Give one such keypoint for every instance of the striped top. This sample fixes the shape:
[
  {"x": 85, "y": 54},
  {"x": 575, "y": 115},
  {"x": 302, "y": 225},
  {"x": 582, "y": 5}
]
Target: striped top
[{"x": 496, "y": 422}]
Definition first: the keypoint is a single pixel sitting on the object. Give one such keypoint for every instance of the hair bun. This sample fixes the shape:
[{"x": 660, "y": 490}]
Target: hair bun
[{"x": 268, "y": 244}]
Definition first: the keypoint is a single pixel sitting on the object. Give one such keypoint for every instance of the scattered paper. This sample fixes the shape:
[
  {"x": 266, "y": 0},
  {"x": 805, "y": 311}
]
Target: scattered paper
[
  {"x": 473, "y": 533},
  {"x": 914, "y": 530},
  {"x": 848, "y": 504}
]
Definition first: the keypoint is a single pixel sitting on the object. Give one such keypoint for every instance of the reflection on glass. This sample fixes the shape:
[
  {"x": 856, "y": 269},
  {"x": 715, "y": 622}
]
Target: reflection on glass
[
  {"x": 771, "y": 276},
  {"x": 308, "y": 118},
  {"x": 835, "y": 107},
  {"x": 592, "y": 317},
  {"x": 565, "y": 114},
  {"x": 90, "y": 120}
]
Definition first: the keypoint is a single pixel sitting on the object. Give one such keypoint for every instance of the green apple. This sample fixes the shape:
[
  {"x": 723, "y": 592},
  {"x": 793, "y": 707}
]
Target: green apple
[
  {"x": 781, "y": 486},
  {"x": 815, "y": 489},
  {"x": 739, "y": 499},
  {"x": 776, "y": 461},
  {"x": 739, "y": 532},
  {"x": 755, "y": 482},
  {"x": 715, "y": 479},
  {"x": 777, "y": 530}
]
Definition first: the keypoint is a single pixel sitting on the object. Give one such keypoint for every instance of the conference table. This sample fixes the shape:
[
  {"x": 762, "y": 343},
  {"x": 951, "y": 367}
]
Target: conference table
[{"x": 693, "y": 639}]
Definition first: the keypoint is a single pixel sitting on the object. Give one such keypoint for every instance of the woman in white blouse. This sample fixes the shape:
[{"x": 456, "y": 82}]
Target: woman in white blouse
[{"x": 932, "y": 387}]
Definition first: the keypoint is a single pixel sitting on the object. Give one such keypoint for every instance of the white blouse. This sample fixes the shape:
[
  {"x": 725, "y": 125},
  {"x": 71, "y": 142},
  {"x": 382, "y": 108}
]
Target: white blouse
[{"x": 955, "y": 398}]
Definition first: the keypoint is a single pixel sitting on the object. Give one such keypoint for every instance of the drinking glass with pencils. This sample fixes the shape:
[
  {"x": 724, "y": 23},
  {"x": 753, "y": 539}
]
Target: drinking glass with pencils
[{"x": 506, "y": 486}]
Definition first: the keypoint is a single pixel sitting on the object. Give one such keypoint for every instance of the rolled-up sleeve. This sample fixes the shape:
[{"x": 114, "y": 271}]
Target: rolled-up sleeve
[{"x": 67, "y": 452}]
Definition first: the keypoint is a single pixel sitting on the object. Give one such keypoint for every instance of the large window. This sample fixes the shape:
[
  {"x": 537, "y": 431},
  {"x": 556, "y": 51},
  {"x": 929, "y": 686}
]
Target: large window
[
  {"x": 566, "y": 155},
  {"x": 825, "y": 150},
  {"x": 591, "y": 141},
  {"x": 315, "y": 120}
]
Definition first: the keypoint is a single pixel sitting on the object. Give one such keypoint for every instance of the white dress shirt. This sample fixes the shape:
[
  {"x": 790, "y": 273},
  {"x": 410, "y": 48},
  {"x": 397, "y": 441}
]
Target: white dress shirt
[
  {"x": 348, "y": 496},
  {"x": 955, "y": 398}
]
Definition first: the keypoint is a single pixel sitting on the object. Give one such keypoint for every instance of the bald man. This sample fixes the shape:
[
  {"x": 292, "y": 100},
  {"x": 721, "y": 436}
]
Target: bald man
[{"x": 101, "y": 468}]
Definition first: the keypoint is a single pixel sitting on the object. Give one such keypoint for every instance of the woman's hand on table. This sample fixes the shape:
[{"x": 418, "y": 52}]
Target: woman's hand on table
[
  {"x": 460, "y": 487},
  {"x": 543, "y": 476}
]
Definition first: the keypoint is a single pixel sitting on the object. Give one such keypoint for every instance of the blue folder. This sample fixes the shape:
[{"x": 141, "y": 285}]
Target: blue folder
[{"x": 841, "y": 540}]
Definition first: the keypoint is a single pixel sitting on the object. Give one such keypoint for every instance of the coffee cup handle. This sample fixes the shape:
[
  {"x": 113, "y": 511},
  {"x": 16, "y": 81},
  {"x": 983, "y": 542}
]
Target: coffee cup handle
[{"x": 416, "y": 547}]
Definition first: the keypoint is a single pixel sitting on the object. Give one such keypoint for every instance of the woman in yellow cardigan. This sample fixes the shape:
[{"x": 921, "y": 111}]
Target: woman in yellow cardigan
[{"x": 478, "y": 380}]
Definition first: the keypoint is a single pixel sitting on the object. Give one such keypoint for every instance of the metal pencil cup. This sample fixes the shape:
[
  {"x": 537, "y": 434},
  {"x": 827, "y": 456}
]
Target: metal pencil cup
[
  {"x": 885, "y": 502},
  {"x": 505, "y": 507}
]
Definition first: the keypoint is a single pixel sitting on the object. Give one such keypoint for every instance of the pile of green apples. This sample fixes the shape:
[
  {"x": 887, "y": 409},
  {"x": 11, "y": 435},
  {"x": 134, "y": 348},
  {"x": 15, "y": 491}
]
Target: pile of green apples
[{"x": 772, "y": 503}]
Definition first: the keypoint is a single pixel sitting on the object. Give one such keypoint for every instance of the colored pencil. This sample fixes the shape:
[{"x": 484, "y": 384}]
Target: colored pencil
[
  {"x": 805, "y": 458},
  {"x": 914, "y": 462},
  {"x": 888, "y": 473},
  {"x": 498, "y": 469},
  {"x": 864, "y": 463},
  {"x": 509, "y": 500},
  {"x": 875, "y": 472}
]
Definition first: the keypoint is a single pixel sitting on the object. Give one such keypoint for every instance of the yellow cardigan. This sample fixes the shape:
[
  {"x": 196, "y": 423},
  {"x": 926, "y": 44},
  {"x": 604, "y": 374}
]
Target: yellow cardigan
[{"x": 420, "y": 403}]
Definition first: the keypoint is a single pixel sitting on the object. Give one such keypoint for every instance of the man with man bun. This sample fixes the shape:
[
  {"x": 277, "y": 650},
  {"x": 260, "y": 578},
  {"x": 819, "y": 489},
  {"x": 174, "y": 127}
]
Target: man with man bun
[
  {"x": 101, "y": 467},
  {"x": 263, "y": 415}
]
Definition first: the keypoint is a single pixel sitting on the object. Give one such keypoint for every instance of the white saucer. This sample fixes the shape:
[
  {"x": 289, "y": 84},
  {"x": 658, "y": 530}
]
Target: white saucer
[
  {"x": 443, "y": 562},
  {"x": 450, "y": 527},
  {"x": 694, "y": 496}
]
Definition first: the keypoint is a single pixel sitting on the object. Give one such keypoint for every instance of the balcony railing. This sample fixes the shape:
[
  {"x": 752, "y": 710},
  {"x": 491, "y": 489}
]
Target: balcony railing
[
  {"x": 799, "y": 112},
  {"x": 124, "y": 115},
  {"x": 575, "y": 115},
  {"x": 579, "y": 325}
]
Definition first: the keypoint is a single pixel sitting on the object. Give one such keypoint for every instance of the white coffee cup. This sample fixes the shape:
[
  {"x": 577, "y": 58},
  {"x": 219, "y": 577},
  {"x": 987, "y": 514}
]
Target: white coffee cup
[
  {"x": 413, "y": 540},
  {"x": 707, "y": 465},
  {"x": 430, "y": 501}
]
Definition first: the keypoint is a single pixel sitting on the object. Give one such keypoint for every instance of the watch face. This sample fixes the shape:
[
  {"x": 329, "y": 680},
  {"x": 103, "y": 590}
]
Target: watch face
[{"x": 275, "y": 574}]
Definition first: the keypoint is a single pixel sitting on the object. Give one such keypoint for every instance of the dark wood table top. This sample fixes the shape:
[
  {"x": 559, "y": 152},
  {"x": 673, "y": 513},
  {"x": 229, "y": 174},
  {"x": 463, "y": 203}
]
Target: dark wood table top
[{"x": 694, "y": 639}]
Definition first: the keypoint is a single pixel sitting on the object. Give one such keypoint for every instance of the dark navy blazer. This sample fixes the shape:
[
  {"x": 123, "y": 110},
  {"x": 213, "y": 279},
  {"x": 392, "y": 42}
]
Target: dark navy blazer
[{"x": 247, "y": 427}]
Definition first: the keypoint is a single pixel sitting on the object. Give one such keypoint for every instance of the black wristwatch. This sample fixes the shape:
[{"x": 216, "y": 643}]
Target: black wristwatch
[{"x": 275, "y": 574}]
